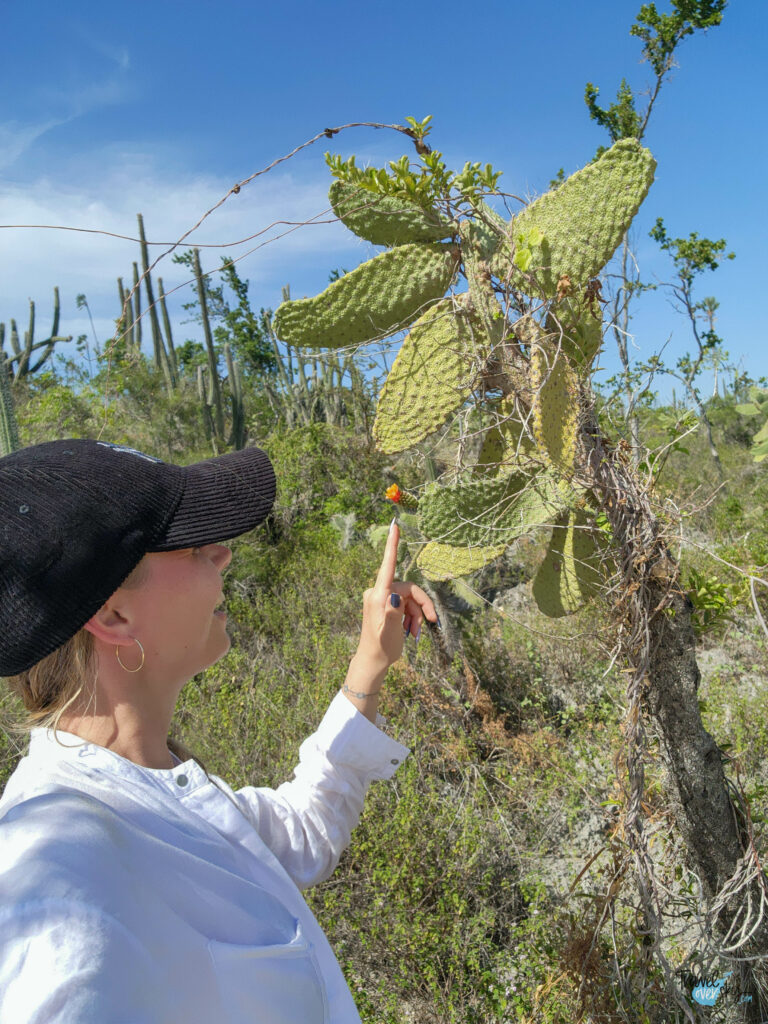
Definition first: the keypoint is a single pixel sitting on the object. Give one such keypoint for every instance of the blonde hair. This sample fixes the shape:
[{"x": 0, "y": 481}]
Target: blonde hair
[{"x": 61, "y": 679}]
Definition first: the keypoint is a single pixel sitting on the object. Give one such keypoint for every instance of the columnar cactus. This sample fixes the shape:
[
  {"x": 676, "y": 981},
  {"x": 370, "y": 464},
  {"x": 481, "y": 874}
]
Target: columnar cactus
[
  {"x": 463, "y": 347},
  {"x": 9, "y": 431},
  {"x": 21, "y": 355}
]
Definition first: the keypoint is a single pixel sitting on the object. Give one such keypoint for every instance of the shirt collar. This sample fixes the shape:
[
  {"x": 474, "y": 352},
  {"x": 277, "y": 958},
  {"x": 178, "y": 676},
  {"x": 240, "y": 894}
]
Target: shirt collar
[{"x": 51, "y": 747}]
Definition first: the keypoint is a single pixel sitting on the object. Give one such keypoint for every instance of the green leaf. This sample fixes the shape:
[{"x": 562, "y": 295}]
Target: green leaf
[{"x": 522, "y": 259}]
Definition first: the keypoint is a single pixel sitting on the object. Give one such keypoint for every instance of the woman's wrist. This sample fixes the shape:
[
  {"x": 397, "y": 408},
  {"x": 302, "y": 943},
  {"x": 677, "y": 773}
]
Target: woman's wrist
[{"x": 363, "y": 684}]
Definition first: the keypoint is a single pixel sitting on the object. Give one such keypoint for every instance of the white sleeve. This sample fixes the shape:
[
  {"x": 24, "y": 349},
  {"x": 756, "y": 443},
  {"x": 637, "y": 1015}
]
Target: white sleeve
[
  {"x": 307, "y": 823},
  {"x": 63, "y": 962}
]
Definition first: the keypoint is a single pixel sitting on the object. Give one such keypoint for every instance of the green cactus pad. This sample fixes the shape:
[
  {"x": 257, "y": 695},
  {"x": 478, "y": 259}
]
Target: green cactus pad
[
  {"x": 570, "y": 573},
  {"x": 582, "y": 221},
  {"x": 445, "y": 562},
  {"x": 489, "y": 230},
  {"x": 431, "y": 377},
  {"x": 555, "y": 387},
  {"x": 385, "y": 220},
  {"x": 506, "y": 445},
  {"x": 490, "y": 511},
  {"x": 577, "y": 328},
  {"x": 376, "y": 299}
]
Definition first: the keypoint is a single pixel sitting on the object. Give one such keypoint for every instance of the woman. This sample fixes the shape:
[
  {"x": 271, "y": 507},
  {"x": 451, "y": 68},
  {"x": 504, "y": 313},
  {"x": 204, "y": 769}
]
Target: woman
[{"x": 135, "y": 888}]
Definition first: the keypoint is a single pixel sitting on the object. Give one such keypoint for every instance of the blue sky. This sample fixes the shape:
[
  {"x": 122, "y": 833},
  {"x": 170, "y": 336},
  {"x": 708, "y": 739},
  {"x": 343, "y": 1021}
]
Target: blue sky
[{"x": 107, "y": 110}]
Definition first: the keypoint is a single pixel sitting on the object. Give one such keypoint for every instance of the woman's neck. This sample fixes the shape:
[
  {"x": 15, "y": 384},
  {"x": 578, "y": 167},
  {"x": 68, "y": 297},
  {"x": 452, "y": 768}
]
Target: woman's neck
[{"x": 126, "y": 733}]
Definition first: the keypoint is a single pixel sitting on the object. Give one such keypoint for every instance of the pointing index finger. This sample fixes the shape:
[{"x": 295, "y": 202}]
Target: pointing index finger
[{"x": 386, "y": 575}]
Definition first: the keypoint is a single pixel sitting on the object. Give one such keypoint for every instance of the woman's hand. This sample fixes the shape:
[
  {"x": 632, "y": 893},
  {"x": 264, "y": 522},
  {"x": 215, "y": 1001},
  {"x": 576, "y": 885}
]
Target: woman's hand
[{"x": 391, "y": 610}]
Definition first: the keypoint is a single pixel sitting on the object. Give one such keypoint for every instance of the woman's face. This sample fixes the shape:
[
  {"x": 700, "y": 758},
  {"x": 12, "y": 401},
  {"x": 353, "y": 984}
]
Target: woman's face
[{"x": 174, "y": 610}]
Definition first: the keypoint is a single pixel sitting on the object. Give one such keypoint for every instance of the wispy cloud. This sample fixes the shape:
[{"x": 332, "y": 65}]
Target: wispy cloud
[
  {"x": 36, "y": 260},
  {"x": 65, "y": 106},
  {"x": 118, "y": 55},
  {"x": 15, "y": 138}
]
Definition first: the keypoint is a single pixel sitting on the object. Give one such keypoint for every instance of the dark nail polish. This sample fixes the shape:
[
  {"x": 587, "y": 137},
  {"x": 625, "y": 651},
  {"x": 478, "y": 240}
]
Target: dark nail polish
[
  {"x": 394, "y": 600},
  {"x": 439, "y": 623}
]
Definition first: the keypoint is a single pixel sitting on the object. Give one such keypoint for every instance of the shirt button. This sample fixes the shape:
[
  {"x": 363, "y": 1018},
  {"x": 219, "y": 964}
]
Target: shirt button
[
  {"x": 394, "y": 761},
  {"x": 181, "y": 780}
]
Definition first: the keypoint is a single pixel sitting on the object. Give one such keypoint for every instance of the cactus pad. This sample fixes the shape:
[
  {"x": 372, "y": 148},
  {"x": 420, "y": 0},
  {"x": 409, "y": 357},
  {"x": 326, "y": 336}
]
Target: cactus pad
[
  {"x": 506, "y": 445},
  {"x": 376, "y": 299},
  {"x": 491, "y": 511},
  {"x": 555, "y": 387},
  {"x": 577, "y": 328},
  {"x": 490, "y": 229},
  {"x": 431, "y": 377},
  {"x": 570, "y": 573},
  {"x": 445, "y": 562},
  {"x": 582, "y": 221},
  {"x": 385, "y": 220}
]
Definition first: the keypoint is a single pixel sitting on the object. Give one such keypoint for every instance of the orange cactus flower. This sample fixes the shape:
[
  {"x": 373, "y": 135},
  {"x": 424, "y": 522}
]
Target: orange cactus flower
[{"x": 394, "y": 493}]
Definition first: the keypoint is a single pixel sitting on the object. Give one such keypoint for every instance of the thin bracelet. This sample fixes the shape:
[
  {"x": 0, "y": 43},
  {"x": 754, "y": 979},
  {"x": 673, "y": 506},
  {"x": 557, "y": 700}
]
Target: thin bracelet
[{"x": 360, "y": 696}]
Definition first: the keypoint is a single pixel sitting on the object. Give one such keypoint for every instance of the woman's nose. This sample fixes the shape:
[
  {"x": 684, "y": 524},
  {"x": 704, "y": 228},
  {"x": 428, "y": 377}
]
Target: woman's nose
[
  {"x": 226, "y": 555},
  {"x": 220, "y": 555}
]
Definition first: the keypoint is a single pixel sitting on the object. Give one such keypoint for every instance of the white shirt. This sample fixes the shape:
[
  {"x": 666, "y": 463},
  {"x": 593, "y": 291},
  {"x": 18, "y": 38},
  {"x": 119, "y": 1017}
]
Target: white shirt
[{"x": 131, "y": 895}]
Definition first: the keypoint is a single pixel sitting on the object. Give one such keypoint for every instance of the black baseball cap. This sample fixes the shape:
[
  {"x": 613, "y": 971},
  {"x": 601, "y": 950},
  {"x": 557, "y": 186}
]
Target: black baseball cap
[{"x": 77, "y": 516}]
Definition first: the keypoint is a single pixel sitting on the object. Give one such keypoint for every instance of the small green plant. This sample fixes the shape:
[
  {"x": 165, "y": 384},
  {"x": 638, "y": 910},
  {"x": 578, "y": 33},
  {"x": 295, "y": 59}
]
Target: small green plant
[{"x": 711, "y": 598}]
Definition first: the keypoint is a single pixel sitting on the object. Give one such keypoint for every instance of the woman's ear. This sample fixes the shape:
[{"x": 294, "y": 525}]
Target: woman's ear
[{"x": 108, "y": 625}]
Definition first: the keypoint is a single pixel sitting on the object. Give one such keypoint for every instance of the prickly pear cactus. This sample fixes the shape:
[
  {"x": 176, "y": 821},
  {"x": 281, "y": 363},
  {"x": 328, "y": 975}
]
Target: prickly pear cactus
[
  {"x": 385, "y": 220},
  {"x": 431, "y": 377},
  {"x": 530, "y": 372},
  {"x": 445, "y": 562},
  {"x": 570, "y": 573},
  {"x": 378, "y": 298},
  {"x": 582, "y": 221},
  {"x": 491, "y": 511}
]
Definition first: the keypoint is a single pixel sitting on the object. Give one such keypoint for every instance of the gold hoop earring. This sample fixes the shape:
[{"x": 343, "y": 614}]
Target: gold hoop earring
[{"x": 122, "y": 666}]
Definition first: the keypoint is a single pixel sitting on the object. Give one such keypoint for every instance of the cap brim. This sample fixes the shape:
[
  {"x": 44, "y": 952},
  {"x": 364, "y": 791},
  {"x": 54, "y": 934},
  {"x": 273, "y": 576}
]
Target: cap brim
[{"x": 222, "y": 498}]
